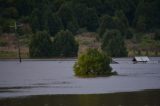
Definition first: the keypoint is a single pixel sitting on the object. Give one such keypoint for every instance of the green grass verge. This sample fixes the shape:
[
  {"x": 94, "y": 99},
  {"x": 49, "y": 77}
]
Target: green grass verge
[{"x": 12, "y": 54}]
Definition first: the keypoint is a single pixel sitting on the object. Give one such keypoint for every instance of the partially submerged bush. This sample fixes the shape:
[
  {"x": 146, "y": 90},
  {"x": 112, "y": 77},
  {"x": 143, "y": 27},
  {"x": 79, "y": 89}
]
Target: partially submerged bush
[{"x": 92, "y": 64}]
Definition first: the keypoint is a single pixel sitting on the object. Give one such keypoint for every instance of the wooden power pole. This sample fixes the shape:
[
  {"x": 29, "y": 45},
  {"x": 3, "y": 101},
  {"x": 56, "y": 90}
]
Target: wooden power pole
[{"x": 18, "y": 42}]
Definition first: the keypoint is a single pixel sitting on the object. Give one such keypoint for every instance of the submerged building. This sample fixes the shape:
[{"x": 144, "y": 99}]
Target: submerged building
[{"x": 141, "y": 59}]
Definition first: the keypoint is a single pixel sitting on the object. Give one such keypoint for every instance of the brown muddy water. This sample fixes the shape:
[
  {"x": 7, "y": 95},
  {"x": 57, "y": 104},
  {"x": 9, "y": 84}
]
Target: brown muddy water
[{"x": 52, "y": 83}]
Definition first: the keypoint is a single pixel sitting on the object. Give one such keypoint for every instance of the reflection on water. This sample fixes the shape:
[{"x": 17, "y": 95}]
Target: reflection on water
[{"x": 141, "y": 98}]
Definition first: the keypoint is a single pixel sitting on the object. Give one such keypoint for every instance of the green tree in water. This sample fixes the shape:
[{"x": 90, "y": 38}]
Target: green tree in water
[{"x": 92, "y": 64}]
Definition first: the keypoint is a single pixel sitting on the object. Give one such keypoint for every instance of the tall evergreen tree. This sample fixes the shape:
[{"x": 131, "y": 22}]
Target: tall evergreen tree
[
  {"x": 141, "y": 24},
  {"x": 113, "y": 44},
  {"x": 24, "y": 7},
  {"x": 121, "y": 22},
  {"x": 91, "y": 19},
  {"x": 106, "y": 22},
  {"x": 67, "y": 17},
  {"x": 79, "y": 13},
  {"x": 64, "y": 44},
  {"x": 40, "y": 45},
  {"x": 38, "y": 20},
  {"x": 54, "y": 24}
]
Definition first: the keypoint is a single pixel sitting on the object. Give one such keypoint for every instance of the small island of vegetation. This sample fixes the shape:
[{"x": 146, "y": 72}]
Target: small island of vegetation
[{"x": 93, "y": 64}]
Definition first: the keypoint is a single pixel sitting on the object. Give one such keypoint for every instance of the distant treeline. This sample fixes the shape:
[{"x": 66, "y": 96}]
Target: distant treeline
[
  {"x": 80, "y": 15},
  {"x": 114, "y": 21}
]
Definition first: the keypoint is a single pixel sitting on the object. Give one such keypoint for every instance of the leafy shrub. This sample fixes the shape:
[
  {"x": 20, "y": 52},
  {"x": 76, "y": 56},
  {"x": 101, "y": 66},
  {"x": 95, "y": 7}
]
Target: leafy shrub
[{"x": 93, "y": 63}]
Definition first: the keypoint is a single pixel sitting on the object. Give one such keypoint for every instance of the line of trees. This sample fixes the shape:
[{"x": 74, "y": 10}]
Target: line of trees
[
  {"x": 113, "y": 44},
  {"x": 119, "y": 19},
  {"x": 142, "y": 15},
  {"x": 63, "y": 45}
]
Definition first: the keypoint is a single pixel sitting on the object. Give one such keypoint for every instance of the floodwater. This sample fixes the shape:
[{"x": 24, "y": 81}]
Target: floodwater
[{"x": 56, "y": 85}]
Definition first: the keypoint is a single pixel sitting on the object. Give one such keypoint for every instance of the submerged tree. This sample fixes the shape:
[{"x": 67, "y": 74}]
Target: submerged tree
[{"x": 93, "y": 63}]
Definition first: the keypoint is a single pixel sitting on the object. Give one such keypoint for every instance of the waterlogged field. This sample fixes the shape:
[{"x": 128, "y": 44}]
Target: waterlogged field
[{"x": 52, "y": 83}]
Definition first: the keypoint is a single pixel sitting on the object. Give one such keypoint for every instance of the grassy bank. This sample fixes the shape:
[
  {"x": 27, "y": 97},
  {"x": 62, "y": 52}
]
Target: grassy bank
[{"x": 12, "y": 55}]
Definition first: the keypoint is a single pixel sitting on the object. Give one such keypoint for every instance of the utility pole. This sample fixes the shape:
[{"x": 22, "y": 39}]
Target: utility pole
[{"x": 18, "y": 42}]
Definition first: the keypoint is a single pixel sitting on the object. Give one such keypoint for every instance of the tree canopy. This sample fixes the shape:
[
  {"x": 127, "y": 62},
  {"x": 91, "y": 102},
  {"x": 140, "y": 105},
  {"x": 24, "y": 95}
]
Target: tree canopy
[
  {"x": 132, "y": 18},
  {"x": 92, "y": 64},
  {"x": 40, "y": 45},
  {"x": 113, "y": 44},
  {"x": 64, "y": 44},
  {"x": 140, "y": 15}
]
